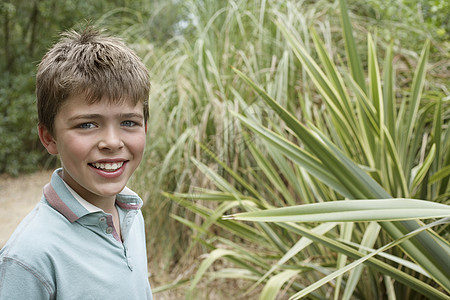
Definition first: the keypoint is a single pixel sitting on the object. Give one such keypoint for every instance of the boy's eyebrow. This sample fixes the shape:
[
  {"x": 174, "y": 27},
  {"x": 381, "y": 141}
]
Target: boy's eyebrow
[
  {"x": 85, "y": 116},
  {"x": 132, "y": 115},
  {"x": 99, "y": 116}
]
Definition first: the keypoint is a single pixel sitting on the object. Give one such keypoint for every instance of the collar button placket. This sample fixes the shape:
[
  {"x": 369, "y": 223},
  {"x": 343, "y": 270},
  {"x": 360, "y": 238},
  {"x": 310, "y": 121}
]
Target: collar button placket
[{"x": 109, "y": 230}]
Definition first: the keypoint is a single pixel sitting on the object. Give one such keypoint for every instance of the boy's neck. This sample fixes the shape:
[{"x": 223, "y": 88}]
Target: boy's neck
[{"x": 105, "y": 203}]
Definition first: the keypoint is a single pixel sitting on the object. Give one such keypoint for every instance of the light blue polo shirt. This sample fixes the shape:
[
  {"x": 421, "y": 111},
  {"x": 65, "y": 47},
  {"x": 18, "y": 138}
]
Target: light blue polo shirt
[{"x": 65, "y": 249}]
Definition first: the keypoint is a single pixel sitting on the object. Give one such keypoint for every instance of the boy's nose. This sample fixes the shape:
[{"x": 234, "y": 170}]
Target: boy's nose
[{"x": 110, "y": 140}]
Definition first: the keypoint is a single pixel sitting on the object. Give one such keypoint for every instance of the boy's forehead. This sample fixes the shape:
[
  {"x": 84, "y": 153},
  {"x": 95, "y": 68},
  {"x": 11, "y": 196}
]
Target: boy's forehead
[
  {"x": 81, "y": 101},
  {"x": 85, "y": 99}
]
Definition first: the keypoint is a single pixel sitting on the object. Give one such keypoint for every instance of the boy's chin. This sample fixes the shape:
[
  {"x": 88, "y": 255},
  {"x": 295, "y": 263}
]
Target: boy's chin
[{"x": 111, "y": 191}]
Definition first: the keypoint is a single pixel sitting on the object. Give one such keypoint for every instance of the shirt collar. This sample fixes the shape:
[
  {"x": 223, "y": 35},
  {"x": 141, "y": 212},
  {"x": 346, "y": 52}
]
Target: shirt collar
[{"x": 72, "y": 206}]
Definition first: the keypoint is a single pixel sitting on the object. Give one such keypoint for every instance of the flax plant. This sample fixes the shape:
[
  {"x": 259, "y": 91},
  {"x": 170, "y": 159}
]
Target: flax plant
[
  {"x": 354, "y": 152},
  {"x": 193, "y": 91}
]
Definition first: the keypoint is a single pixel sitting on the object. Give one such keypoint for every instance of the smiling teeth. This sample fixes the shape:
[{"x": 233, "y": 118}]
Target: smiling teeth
[{"x": 108, "y": 166}]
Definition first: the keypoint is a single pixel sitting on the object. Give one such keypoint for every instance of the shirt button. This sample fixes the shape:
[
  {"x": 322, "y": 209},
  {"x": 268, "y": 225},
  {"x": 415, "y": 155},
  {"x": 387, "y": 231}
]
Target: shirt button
[
  {"x": 102, "y": 219},
  {"x": 109, "y": 230},
  {"x": 130, "y": 264}
]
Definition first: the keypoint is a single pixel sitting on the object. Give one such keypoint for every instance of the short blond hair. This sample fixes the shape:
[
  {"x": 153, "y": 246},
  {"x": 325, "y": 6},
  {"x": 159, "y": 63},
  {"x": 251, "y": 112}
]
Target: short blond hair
[{"x": 92, "y": 64}]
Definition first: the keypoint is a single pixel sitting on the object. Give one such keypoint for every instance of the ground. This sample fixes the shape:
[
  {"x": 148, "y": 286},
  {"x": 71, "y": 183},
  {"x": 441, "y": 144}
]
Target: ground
[{"x": 18, "y": 196}]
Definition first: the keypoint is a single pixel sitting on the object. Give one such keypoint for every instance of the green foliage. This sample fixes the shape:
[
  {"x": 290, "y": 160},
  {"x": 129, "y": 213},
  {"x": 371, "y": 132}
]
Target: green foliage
[
  {"x": 20, "y": 149},
  {"x": 339, "y": 126},
  {"x": 431, "y": 15}
]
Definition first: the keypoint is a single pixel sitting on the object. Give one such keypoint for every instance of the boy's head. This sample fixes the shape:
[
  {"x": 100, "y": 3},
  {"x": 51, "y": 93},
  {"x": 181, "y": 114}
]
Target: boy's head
[{"x": 93, "y": 65}]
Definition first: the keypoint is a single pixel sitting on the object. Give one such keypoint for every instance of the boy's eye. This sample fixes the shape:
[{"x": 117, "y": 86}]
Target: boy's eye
[
  {"x": 86, "y": 125},
  {"x": 129, "y": 123}
]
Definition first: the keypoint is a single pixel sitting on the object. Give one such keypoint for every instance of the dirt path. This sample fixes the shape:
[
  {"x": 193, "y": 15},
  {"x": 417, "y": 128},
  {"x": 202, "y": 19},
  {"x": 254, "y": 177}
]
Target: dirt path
[{"x": 18, "y": 196}]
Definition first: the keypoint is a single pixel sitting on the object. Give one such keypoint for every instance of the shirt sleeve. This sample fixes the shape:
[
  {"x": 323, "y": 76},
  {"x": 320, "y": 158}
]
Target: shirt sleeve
[{"x": 18, "y": 281}]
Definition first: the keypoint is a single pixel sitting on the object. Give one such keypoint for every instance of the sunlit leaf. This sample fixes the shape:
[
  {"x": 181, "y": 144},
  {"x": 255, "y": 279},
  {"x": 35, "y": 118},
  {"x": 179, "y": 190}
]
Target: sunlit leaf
[{"x": 350, "y": 211}]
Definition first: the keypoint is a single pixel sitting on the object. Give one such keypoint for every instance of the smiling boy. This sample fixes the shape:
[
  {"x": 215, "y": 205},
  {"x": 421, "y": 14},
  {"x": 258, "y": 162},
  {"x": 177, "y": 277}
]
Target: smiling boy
[{"x": 86, "y": 237}]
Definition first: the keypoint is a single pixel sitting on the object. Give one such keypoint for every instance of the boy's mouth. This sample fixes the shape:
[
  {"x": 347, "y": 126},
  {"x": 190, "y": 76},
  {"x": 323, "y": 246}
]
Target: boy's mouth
[{"x": 108, "y": 167}]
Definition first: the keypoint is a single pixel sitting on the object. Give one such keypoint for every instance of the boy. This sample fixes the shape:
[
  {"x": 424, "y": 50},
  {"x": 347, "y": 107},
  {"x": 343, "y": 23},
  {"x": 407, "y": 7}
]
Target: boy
[{"x": 85, "y": 239}]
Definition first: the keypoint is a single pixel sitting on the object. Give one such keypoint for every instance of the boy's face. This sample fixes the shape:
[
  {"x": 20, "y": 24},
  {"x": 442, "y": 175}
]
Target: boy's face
[{"x": 100, "y": 144}]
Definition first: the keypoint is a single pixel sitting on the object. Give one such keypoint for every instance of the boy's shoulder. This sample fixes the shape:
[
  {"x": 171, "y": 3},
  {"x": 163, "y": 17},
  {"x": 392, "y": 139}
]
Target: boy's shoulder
[{"x": 36, "y": 234}]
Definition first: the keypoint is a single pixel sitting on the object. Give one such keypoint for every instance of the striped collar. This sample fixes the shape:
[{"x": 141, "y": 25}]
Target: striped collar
[{"x": 72, "y": 206}]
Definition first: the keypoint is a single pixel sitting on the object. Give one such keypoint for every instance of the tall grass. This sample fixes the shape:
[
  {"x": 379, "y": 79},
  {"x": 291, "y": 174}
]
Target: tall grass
[
  {"x": 194, "y": 90},
  {"x": 219, "y": 149}
]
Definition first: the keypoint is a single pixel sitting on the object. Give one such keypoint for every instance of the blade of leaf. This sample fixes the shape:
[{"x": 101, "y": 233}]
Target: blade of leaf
[
  {"x": 400, "y": 276},
  {"x": 349, "y": 180},
  {"x": 368, "y": 240},
  {"x": 354, "y": 59},
  {"x": 350, "y": 266},
  {"x": 346, "y": 235},
  {"x": 349, "y": 211},
  {"x": 274, "y": 284}
]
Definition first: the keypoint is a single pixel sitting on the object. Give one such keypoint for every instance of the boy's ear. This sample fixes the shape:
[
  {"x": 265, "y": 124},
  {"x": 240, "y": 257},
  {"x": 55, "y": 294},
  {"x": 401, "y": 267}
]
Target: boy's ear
[{"x": 47, "y": 140}]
